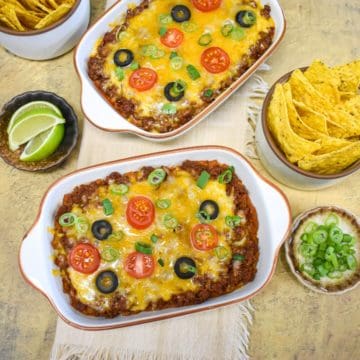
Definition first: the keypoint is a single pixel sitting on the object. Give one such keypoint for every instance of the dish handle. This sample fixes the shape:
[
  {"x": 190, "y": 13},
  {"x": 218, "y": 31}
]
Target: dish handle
[
  {"x": 279, "y": 211},
  {"x": 99, "y": 112},
  {"x": 33, "y": 260}
]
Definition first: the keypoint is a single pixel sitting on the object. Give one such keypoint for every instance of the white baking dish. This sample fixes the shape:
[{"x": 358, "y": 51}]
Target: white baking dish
[
  {"x": 101, "y": 114},
  {"x": 274, "y": 223}
]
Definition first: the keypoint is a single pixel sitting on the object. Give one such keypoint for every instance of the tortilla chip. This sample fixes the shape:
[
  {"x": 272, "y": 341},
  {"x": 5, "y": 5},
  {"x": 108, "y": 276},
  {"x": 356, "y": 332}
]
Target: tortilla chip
[
  {"x": 294, "y": 146},
  {"x": 349, "y": 75},
  {"x": 36, "y": 5},
  {"x": 352, "y": 106},
  {"x": 324, "y": 80},
  {"x": 8, "y": 12},
  {"x": 54, "y": 16},
  {"x": 343, "y": 119},
  {"x": 299, "y": 126},
  {"x": 312, "y": 118},
  {"x": 329, "y": 144},
  {"x": 332, "y": 162}
]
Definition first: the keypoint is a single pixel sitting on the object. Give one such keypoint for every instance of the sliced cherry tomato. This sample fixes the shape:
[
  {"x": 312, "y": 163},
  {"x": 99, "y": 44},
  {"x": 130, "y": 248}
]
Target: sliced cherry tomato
[
  {"x": 215, "y": 60},
  {"x": 206, "y": 5},
  {"x": 84, "y": 258},
  {"x": 143, "y": 79},
  {"x": 204, "y": 237},
  {"x": 140, "y": 212},
  {"x": 139, "y": 265},
  {"x": 172, "y": 38}
]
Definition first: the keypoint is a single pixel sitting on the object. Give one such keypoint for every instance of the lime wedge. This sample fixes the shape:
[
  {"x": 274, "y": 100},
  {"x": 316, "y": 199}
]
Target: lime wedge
[
  {"x": 32, "y": 108},
  {"x": 31, "y": 126},
  {"x": 44, "y": 144}
]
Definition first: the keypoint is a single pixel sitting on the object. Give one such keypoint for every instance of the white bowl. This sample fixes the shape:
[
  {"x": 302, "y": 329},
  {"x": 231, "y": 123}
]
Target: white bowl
[
  {"x": 52, "y": 41},
  {"x": 274, "y": 225},
  {"x": 276, "y": 163},
  {"x": 99, "y": 111}
]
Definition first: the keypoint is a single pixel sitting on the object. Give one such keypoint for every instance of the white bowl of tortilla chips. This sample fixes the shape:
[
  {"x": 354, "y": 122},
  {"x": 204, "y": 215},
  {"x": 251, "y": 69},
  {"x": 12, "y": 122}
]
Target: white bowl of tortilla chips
[
  {"x": 42, "y": 29},
  {"x": 309, "y": 135}
]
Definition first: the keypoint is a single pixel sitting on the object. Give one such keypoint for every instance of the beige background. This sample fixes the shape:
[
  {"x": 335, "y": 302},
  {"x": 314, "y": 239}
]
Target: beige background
[{"x": 290, "y": 321}]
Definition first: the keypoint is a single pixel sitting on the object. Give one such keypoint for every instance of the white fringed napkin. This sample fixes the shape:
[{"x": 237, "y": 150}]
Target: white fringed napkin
[{"x": 218, "y": 334}]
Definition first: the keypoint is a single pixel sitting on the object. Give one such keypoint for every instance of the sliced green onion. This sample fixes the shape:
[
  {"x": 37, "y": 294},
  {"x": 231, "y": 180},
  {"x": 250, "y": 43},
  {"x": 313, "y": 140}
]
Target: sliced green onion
[
  {"x": 308, "y": 250},
  {"x": 193, "y": 72},
  {"x": 173, "y": 54},
  {"x": 238, "y": 257},
  {"x": 143, "y": 248},
  {"x": 308, "y": 268},
  {"x": 334, "y": 275},
  {"x": 119, "y": 189},
  {"x": 165, "y": 19},
  {"x": 148, "y": 50},
  {"x": 154, "y": 239},
  {"x": 190, "y": 268},
  {"x": 156, "y": 177},
  {"x": 320, "y": 236},
  {"x": 304, "y": 237},
  {"x": 67, "y": 219},
  {"x": 120, "y": 73},
  {"x": 203, "y": 216},
  {"x": 336, "y": 234},
  {"x": 109, "y": 254},
  {"x": 107, "y": 207},
  {"x": 347, "y": 238},
  {"x": 178, "y": 87},
  {"x": 226, "y": 176},
  {"x": 351, "y": 262},
  {"x": 158, "y": 54},
  {"x": 116, "y": 235},
  {"x": 169, "y": 109},
  {"x": 205, "y": 39},
  {"x": 176, "y": 62},
  {"x": 249, "y": 18},
  {"x": 188, "y": 26},
  {"x": 81, "y": 225},
  {"x": 232, "y": 221},
  {"x": 331, "y": 219},
  {"x": 237, "y": 33},
  {"x": 311, "y": 227},
  {"x": 134, "y": 65},
  {"x": 162, "y": 30},
  {"x": 161, "y": 262},
  {"x": 208, "y": 93},
  {"x": 227, "y": 29},
  {"x": 169, "y": 221},
  {"x": 163, "y": 203},
  {"x": 203, "y": 179},
  {"x": 221, "y": 252}
]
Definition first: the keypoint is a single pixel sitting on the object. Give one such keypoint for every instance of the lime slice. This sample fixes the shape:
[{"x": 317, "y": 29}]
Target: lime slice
[
  {"x": 29, "y": 108},
  {"x": 31, "y": 126},
  {"x": 43, "y": 145}
]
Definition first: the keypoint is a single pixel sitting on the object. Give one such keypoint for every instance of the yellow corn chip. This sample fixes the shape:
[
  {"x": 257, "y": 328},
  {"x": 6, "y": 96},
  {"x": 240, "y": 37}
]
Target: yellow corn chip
[
  {"x": 329, "y": 144},
  {"x": 332, "y": 162},
  {"x": 295, "y": 120},
  {"x": 325, "y": 81},
  {"x": 9, "y": 12},
  {"x": 349, "y": 75},
  {"x": 294, "y": 146},
  {"x": 53, "y": 16}
]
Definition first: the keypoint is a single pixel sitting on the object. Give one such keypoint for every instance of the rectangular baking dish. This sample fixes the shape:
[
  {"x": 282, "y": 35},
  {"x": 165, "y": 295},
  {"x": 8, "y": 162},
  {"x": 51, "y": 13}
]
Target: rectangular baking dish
[
  {"x": 99, "y": 111},
  {"x": 272, "y": 207}
]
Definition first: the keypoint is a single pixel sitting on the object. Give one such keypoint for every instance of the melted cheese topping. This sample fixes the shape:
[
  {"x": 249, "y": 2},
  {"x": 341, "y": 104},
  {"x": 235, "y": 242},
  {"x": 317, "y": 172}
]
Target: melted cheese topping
[
  {"x": 186, "y": 197},
  {"x": 144, "y": 30}
]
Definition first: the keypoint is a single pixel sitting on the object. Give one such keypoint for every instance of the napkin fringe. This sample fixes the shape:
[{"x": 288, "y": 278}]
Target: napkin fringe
[{"x": 257, "y": 94}]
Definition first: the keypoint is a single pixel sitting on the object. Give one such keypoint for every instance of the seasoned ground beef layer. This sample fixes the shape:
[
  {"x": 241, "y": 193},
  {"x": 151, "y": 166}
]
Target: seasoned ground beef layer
[
  {"x": 143, "y": 31},
  {"x": 219, "y": 267}
]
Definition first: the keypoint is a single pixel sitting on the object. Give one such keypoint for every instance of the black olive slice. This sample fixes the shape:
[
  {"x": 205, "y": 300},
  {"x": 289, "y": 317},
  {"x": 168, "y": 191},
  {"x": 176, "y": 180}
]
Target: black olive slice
[
  {"x": 180, "y": 13},
  {"x": 123, "y": 57},
  {"x": 185, "y": 267},
  {"x": 107, "y": 282},
  {"x": 174, "y": 91},
  {"x": 245, "y": 18},
  {"x": 101, "y": 229},
  {"x": 211, "y": 208}
]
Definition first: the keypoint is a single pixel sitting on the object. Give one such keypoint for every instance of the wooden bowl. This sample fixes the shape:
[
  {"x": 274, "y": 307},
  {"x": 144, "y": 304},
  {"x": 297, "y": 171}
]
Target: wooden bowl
[{"x": 66, "y": 146}]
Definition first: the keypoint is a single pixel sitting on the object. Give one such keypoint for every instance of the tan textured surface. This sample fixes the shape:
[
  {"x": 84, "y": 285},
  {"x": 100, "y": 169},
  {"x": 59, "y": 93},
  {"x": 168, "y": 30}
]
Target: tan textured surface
[{"x": 290, "y": 322}]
